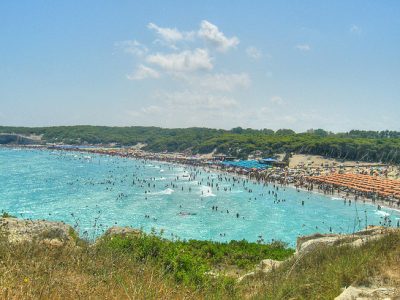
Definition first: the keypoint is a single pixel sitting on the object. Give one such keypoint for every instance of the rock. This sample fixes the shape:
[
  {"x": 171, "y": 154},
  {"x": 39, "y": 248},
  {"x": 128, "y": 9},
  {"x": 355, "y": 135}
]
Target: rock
[
  {"x": 315, "y": 241},
  {"x": 53, "y": 242},
  {"x": 267, "y": 265},
  {"x": 308, "y": 243},
  {"x": 246, "y": 276},
  {"x": 361, "y": 293},
  {"x": 118, "y": 230},
  {"x": 50, "y": 233}
]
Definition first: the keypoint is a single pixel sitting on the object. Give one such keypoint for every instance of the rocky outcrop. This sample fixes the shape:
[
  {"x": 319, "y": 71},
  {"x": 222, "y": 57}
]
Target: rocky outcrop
[
  {"x": 57, "y": 234},
  {"x": 363, "y": 293},
  {"x": 308, "y": 243},
  {"x": 51, "y": 233},
  {"x": 265, "y": 266},
  {"x": 124, "y": 231},
  {"x": 268, "y": 265}
]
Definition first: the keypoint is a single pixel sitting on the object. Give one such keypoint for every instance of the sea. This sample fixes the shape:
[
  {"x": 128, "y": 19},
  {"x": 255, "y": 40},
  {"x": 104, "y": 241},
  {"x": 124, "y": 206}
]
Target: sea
[{"x": 95, "y": 192}]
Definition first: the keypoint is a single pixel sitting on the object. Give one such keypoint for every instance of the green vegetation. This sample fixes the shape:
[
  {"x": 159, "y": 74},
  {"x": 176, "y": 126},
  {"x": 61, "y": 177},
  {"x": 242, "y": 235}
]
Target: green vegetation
[
  {"x": 374, "y": 146},
  {"x": 188, "y": 261},
  {"x": 322, "y": 274},
  {"x": 39, "y": 271},
  {"x": 149, "y": 267},
  {"x": 141, "y": 266}
]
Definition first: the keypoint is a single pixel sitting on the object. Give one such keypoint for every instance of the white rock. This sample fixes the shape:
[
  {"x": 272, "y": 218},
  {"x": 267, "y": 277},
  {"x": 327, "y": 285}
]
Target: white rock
[
  {"x": 18, "y": 230},
  {"x": 361, "y": 293},
  {"x": 268, "y": 265}
]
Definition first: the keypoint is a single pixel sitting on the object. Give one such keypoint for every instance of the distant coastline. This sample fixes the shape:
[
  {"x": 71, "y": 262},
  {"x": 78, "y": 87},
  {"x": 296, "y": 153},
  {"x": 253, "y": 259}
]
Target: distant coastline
[{"x": 242, "y": 143}]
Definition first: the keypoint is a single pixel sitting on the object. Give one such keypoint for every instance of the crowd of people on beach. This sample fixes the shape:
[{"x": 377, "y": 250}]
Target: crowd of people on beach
[
  {"x": 278, "y": 177},
  {"x": 228, "y": 177},
  {"x": 298, "y": 177}
]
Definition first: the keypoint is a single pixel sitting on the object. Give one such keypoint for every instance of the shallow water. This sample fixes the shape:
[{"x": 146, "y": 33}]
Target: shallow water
[{"x": 95, "y": 192}]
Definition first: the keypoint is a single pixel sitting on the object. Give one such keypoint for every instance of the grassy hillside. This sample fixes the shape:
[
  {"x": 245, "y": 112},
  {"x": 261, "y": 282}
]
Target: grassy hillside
[
  {"x": 323, "y": 273},
  {"x": 148, "y": 267},
  {"x": 354, "y": 145},
  {"x": 143, "y": 266}
]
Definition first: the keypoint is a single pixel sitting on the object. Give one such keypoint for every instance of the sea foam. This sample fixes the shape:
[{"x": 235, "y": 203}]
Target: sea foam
[
  {"x": 167, "y": 191},
  {"x": 206, "y": 191},
  {"x": 382, "y": 213}
]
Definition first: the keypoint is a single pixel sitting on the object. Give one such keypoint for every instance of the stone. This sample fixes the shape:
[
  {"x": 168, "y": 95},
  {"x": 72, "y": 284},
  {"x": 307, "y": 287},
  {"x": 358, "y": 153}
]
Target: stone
[
  {"x": 246, "y": 276},
  {"x": 267, "y": 265},
  {"x": 357, "y": 239},
  {"x": 19, "y": 230},
  {"x": 118, "y": 230},
  {"x": 364, "y": 293}
]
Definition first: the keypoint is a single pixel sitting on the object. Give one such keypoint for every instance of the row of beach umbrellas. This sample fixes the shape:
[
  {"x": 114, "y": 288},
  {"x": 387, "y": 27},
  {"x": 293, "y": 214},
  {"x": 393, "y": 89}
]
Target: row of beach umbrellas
[{"x": 362, "y": 183}]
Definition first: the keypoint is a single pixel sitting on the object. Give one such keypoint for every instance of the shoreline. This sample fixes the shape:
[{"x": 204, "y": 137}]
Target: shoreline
[
  {"x": 260, "y": 185},
  {"x": 276, "y": 176}
]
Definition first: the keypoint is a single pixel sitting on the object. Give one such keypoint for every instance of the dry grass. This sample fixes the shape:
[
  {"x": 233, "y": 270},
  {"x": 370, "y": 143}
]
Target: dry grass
[
  {"x": 37, "y": 271},
  {"x": 323, "y": 273}
]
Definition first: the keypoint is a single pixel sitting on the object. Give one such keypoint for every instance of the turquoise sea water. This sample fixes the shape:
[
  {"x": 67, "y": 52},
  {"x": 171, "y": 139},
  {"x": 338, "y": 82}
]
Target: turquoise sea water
[{"x": 95, "y": 192}]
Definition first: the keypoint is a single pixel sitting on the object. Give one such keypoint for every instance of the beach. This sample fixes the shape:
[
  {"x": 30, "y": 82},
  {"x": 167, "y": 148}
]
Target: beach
[
  {"x": 201, "y": 201},
  {"x": 298, "y": 173}
]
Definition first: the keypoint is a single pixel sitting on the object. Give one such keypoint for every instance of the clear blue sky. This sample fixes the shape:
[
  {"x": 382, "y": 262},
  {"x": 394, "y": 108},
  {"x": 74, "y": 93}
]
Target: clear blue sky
[{"x": 259, "y": 64}]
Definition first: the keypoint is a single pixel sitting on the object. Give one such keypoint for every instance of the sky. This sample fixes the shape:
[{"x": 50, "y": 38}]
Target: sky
[{"x": 256, "y": 64}]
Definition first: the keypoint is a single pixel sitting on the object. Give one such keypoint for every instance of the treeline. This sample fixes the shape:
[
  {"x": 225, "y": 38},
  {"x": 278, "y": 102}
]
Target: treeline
[
  {"x": 157, "y": 139},
  {"x": 360, "y": 145},
  {"x": 363, "y": 149}
]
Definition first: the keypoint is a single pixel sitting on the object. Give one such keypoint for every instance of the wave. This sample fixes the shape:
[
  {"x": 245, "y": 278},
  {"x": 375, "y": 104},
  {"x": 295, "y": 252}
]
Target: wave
[
  {"x": 382, "y": 213},
  {"x": 336, "y": 198},
  {"x": 167, "y": 191},
  {"x": 206, "y": 191},
  {"x": 161, "y": 178},
  {"x": 25, "y": 212}
]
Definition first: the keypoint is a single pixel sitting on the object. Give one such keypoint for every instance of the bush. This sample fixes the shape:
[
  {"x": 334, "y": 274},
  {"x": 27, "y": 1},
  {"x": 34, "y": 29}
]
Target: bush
[{"x": 188, "y": 261}]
